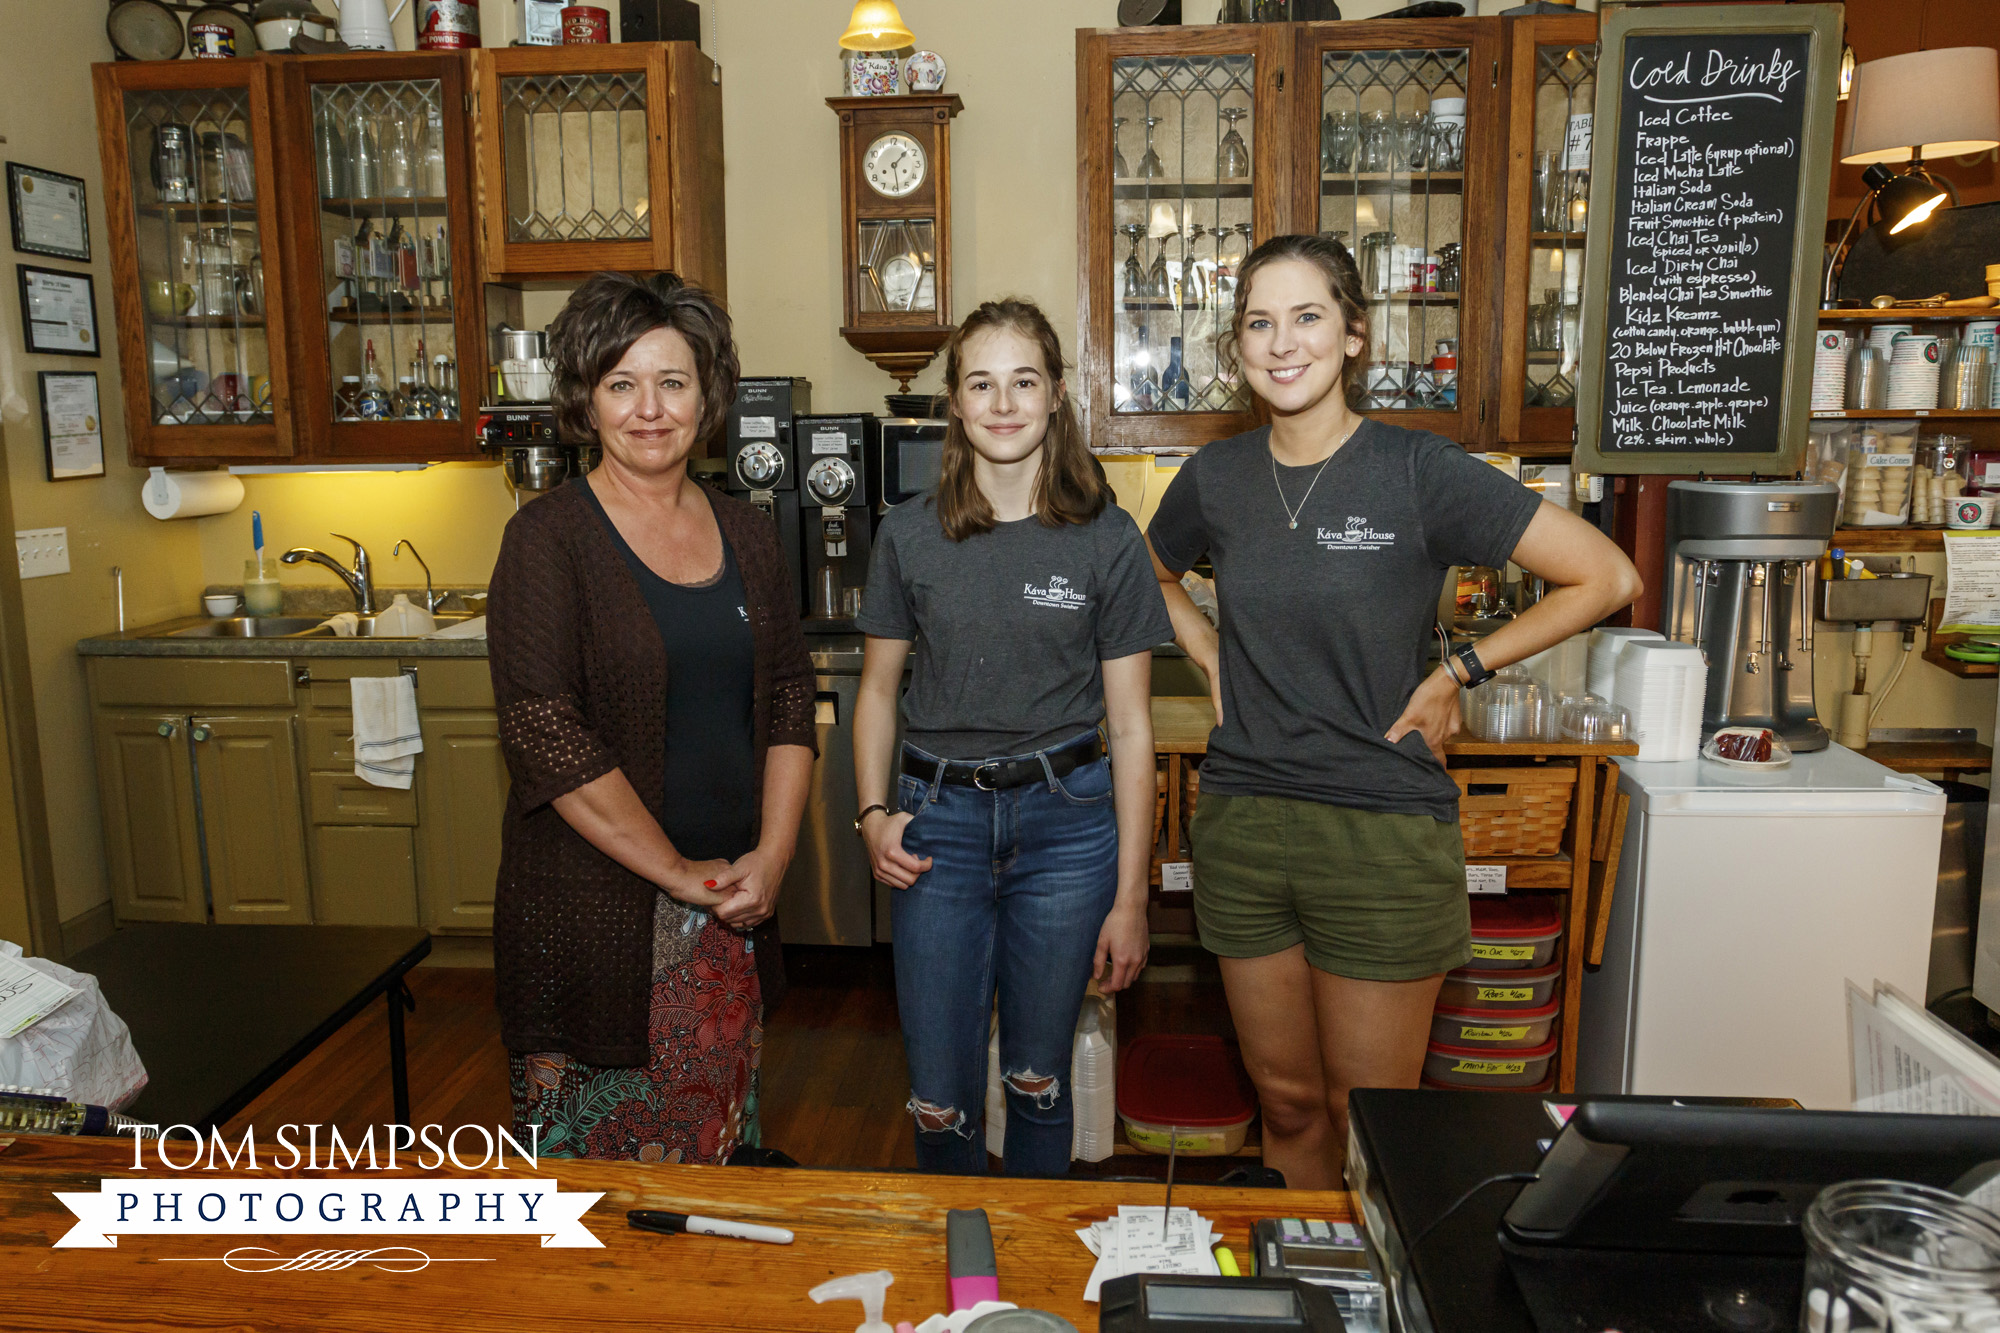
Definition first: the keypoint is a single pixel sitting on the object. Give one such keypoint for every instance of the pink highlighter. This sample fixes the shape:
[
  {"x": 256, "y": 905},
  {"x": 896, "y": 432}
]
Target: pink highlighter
[{"x": 968, "y": 1248}]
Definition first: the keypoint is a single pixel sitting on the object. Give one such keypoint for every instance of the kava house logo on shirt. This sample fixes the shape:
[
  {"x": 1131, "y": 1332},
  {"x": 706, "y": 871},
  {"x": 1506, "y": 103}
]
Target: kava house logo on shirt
[
  {"x": 1058, "y": 594},
  {"x": 1356, "y": 536}
]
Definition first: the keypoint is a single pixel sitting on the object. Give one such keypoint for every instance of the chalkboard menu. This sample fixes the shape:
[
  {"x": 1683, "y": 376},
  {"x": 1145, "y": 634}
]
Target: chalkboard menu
[{"x": 1708, "y": 199}]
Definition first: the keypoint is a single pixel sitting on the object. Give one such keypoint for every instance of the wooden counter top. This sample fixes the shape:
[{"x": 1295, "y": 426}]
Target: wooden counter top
[
  {"x": 846, "y": 1222},
  {"x": 1181, "y": 725}
]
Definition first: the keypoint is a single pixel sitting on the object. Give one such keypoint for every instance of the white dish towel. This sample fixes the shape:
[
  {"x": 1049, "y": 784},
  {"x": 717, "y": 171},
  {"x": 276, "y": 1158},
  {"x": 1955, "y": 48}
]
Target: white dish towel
[{"x": 386, "y": 735}]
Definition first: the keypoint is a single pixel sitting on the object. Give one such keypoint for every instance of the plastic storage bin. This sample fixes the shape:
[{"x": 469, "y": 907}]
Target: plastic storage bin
[
  {"x": 1501, "y": 988},
  {"x": 1546, "y": 1085},
  {"x": 1484, "y": 1067},
  {"x": 1185, "y": 1090},
  {"x": 1515, "y": 933},
  {"x": 1498, "y": 1029}
]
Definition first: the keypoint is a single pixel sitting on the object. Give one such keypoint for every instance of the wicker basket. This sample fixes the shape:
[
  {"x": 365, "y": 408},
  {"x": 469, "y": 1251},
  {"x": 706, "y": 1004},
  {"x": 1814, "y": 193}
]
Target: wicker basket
[{"x": 1513, "y": 811}]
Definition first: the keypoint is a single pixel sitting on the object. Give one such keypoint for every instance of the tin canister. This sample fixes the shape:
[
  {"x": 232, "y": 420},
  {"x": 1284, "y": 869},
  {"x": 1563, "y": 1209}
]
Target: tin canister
[
  {"x": 585, "y": 25},
  {"x": 447, "y": 25},
  {"x": 212, "y": 41}
]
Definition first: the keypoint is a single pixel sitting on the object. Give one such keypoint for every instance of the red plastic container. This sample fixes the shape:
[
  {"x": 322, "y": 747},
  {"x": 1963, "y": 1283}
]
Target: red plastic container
[
  {"x": 1546, "y": 1085},
  {"x": 1185, "y": 1090},
  {"x": 1500, "y": 1029},
  {"x": 1484, "y": 1067},
  {"x": 1515, "y": 932},
  {"x": 1506, "y": 988}
]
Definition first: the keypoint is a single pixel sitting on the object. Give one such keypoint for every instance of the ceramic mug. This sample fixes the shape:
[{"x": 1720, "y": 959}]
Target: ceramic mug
[
  {"x": 260, "y": 393},
  {"x": 1971, "y": 511},
  {"x": 228, "y": 389},
  {"x": 166, "y": 299},
  {"x": 219, "y": 604}
]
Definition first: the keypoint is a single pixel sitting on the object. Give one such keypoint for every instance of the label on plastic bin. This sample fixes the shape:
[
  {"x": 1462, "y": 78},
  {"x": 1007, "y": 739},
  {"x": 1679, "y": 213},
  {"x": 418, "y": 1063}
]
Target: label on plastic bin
[
  {"x": 1485, "y": 879},
  {"x": 1889, "y": 460},
  {"x": 1492, "y": 1034},
  {"x": 1490, "y": 1067},
  {"x": 1512, "y": 952},
  {"x": 1487, "y": 994}
]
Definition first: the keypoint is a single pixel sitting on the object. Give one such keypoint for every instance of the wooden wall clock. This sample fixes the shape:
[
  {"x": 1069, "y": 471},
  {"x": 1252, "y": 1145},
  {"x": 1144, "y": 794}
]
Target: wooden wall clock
[{"x": 895, "y": 205}]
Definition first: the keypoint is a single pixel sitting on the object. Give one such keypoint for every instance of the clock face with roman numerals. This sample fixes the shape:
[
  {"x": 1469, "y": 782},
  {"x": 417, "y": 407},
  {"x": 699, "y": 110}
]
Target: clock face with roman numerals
[{"x": 894, "y": 165}]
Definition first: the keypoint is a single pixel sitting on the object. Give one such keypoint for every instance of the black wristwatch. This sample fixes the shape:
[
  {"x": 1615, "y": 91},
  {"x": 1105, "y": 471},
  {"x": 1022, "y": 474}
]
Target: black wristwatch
[
  {"x": 862, "y": 817},
  {"x": 1475, "y": 671}
]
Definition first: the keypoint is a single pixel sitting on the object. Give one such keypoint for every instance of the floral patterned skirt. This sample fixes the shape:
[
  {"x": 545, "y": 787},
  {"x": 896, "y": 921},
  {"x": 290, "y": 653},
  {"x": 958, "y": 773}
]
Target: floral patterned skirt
[{"x": 696, "y": 1099}]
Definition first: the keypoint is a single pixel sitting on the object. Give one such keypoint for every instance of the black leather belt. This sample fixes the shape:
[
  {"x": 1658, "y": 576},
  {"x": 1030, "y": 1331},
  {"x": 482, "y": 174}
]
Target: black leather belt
[{"x": 996, "y": 775}]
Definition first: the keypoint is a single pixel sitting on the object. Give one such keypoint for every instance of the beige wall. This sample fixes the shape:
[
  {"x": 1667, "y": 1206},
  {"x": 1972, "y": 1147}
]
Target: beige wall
[{"x": 48, "y": 119}]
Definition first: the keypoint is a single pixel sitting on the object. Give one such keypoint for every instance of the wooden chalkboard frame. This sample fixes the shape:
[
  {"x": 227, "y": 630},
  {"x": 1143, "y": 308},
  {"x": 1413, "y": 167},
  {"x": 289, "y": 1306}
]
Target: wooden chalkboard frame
[{"x": 1821, "y": 23}]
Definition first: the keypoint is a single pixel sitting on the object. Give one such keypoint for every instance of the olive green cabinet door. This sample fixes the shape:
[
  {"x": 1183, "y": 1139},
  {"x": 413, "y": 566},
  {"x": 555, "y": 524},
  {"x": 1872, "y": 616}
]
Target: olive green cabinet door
[
  {"x": 152, "y": 846},
  {"x": 247, "y": 769},
  {"x": 464, "y": 790}
]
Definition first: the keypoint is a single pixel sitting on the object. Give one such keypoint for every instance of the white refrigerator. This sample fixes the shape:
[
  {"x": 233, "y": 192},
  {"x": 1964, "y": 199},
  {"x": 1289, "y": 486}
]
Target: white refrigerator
[{"x": 1745, "y": 900}]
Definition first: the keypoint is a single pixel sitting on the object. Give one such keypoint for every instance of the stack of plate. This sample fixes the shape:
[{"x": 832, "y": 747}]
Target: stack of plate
[
  {"x": 1829, "y": 377},
  {"x": 1605, "y": 646},
  {"x": 1662, "y": 685},
  {"x": 1913, "y": 371}
]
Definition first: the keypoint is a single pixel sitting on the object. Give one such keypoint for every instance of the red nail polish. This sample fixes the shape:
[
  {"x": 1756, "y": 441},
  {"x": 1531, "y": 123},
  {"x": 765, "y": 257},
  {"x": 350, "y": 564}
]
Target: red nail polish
[{"x": 708, "y": 884}]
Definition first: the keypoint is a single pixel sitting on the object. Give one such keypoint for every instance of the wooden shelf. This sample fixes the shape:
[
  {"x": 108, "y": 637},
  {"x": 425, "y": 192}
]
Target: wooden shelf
[
  {"x": 1946, "y": 757},
  {"x": 1910, "y": 414},
  {"x": 1393, "y": 182},
  {"x": 392, "y": 205},
  {"x": 207, "y": 321},
  {"x": 214, "y": 214},
  {"x": 1161, "y": 188},
  {"x": 1417, "y": 298},
  {"x": 1879, "y": 541},
  {"x": 1935, "y": 644},
  {"x": 440, "y": 315},
  {"x": 1907, "y": 314},
  {"x": 1556, "y": 237}
]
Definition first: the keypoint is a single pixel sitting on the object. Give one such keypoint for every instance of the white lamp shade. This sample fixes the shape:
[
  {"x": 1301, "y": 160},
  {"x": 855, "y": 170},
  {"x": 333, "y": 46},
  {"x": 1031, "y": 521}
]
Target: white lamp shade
[{"x": 1940, "y": 103}]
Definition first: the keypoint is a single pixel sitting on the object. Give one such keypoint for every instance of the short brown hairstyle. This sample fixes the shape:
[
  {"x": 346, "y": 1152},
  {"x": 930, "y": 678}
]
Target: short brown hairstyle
[
  {"x": 611, "y": 311},
  {"x": 1071, "y": 487},
  {"x": 1337, "y": 266}
]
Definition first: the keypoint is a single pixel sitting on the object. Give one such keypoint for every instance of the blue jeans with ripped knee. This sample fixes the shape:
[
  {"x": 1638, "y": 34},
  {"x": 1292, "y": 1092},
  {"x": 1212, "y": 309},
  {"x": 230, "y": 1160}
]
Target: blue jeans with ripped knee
[{"x": 1020, "y": 883}]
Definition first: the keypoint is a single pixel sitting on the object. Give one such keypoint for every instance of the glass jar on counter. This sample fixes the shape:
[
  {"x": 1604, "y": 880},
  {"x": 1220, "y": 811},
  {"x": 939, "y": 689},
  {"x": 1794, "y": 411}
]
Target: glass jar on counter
[
  {"x": 1939, "y": 477},
  {"x": 1879, "y": 475},
  {"x": 1886, "y": 1254}
]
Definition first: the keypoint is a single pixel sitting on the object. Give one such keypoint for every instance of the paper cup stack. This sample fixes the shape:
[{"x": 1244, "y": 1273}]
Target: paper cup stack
[
  {"x": 1663, "y": 685},
  {"x": 1986, "y": 333},
  {"x": 1829, "y": 377},
  {"x": 1913, "y": 371},
  {"x": 1602, "y": 658}
]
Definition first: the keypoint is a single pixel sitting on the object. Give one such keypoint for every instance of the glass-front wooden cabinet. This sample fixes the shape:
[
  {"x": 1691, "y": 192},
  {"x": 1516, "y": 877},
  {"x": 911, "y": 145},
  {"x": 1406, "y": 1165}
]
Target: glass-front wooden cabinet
[
  {"x": 191, "y": 202},
  {"x": 600, "y": 157},
  {"x": 384, "y": 246},
  {"x": 1552, "y": 86}
]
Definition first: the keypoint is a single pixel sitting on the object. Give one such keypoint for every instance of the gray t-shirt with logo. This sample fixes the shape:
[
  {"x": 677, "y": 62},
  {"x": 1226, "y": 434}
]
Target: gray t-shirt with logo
[
  {"x": 1011, "y": 625},
  {"x": 1325, "y": 626}
]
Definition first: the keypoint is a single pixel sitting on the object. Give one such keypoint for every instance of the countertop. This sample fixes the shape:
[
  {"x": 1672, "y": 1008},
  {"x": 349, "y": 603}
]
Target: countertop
[{"x": 141, "y": 643}]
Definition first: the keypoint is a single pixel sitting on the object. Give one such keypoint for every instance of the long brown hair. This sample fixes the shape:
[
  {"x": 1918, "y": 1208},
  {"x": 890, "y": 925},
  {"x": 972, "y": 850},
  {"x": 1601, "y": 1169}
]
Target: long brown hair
[
  {"x": 1070, "y": 488},
  {"x": 1337, "y": 266}
]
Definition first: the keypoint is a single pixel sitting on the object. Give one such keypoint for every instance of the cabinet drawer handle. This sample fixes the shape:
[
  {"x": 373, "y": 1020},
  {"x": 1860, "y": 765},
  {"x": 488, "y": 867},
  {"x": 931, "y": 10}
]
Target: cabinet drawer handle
[
  {"x": 168, "y": 729},
  {"x": 200, "y": 733}
]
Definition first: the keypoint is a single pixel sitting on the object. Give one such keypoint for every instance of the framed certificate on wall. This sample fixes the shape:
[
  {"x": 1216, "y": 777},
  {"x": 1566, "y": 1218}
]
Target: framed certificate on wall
[
  {"x": 58, "y": 312},
  {"x": 72, "y": 425},
  {"x": 49, "y": 211}
]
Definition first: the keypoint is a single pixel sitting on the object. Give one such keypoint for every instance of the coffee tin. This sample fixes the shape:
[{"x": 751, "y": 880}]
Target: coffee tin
[
  {"x": 586, "y": 25},
  {"x": 212, "y": 41},
  {"x": 447, "y": 25}
]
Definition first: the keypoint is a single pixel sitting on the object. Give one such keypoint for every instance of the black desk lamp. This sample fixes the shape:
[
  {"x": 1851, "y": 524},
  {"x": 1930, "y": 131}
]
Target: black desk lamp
[{"x": 1903, "y": 109}]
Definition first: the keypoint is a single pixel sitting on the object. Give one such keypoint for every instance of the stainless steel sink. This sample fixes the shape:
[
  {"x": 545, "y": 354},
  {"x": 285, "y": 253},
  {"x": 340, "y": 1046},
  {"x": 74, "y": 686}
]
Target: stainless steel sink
[
  {"x": 246, "y": 627},
  {"x": 366, "y": 628}
]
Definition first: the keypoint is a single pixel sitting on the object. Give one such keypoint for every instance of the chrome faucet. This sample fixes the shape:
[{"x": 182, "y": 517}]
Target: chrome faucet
[
  {"x": 358, "y": 582},
  {"x": 431, "y": 598}
]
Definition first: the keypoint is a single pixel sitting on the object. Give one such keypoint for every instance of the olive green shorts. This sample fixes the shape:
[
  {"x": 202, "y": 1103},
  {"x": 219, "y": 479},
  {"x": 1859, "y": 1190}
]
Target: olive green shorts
[{"x": 1377, "y": 897}]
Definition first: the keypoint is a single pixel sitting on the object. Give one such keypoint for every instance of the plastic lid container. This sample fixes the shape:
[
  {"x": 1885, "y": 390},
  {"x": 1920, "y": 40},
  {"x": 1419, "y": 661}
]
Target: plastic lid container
[
  {"x": 1493, "y": 1029},
  {"x": 1515, "y": 933},
  {"x": 1484, "y": 1067},
  {"x": 1503, "y": 988},
  {"x": 1189, "y": 1081}
]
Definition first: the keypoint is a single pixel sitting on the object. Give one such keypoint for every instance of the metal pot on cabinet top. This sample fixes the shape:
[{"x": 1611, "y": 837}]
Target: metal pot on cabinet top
[{"x": 523, "y": 344}]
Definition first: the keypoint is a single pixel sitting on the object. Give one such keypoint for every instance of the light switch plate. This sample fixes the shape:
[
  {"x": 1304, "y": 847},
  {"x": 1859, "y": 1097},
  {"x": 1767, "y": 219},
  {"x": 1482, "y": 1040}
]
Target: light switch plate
[{"x": 42, "y": 551}]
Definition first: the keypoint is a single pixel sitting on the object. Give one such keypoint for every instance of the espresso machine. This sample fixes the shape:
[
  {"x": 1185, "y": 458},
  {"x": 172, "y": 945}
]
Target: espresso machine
[
  {"x": 1742, "y": 559},
  {"x": 761, "y": 456},
  {"x": 836, "y": 521}
]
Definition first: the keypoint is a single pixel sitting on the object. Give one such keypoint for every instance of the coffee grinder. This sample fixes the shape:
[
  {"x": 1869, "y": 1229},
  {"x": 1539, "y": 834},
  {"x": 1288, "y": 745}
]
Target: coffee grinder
[
  {"x": 1742, "y": 562},
  {"x": 761, "y": 458},
  {"x": 837, "y": 525}
]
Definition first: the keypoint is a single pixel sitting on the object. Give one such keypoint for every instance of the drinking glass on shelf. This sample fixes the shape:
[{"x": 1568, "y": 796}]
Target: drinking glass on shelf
[
  {"x": 1135, "y": 275},
  {"x": 1326, "y": 144},
  {"x": 1157, "y": 286},
  {"x": 1235, "y": 154},
  {"x": 1150, "y": 166},
  {"x": 1194, "y": 282},
  {"x": 1551, "y": 207},
  {"x": 398, "y": 173},
  {"x": 364, "y": 174},
  {"x": 1376, "y": 152},
  {"x": 1342, "y": 137},
  {"x": 1447, "y": 145},
  {"x": 1413, "y": 140},
  {"x": 1119, "y": 170}
]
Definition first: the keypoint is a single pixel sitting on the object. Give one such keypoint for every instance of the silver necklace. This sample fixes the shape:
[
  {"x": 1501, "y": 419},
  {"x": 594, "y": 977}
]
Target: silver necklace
[{"x": 1291, "y": 513}]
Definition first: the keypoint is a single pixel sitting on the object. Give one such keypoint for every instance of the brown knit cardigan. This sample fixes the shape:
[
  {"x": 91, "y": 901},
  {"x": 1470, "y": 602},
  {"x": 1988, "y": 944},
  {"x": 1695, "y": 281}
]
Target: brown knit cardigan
[{"x": 580, "y": 679}]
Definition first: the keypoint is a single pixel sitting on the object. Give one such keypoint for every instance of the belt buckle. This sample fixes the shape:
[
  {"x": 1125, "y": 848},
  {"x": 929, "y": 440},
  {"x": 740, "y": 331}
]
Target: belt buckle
[{"x": 978, "y": 781}]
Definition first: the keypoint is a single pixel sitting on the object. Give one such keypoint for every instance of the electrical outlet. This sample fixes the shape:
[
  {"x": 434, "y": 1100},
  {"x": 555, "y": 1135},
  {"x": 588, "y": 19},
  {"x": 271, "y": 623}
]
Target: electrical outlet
[{"x": 42, "y": 551}]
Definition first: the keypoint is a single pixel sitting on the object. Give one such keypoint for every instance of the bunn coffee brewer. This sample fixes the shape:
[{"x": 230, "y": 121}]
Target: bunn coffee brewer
[
  {"x": 1742, "y": 559},
  {"x": 836, "y": 522},
  {"x": 762, "y": 462}
]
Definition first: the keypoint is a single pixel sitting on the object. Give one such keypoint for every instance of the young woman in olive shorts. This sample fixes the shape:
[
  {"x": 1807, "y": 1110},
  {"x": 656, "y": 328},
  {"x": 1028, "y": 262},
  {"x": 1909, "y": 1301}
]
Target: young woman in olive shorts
[{"x": 1328, "y": 872}]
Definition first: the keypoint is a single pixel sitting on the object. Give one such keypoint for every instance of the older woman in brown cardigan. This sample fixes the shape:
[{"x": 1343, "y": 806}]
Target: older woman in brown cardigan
[{"x": 655, "y": 703}]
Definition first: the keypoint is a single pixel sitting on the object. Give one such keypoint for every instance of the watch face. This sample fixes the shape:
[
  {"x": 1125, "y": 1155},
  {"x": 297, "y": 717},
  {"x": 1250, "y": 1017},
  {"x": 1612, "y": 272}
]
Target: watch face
[{"x": 894, "y": 165}]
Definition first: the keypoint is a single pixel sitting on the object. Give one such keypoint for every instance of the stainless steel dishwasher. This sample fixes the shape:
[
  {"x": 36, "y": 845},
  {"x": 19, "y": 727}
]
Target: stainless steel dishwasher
[{"x": 829, "y": 894}]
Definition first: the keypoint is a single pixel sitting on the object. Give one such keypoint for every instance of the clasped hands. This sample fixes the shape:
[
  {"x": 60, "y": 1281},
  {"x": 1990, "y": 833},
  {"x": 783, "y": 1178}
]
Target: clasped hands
[{"x": 741, "y": 893}]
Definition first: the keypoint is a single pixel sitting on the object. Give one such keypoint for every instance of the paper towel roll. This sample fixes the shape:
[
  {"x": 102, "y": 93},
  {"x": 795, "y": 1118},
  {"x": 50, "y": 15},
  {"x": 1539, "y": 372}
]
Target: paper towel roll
[{"x": 190, "y": 494}]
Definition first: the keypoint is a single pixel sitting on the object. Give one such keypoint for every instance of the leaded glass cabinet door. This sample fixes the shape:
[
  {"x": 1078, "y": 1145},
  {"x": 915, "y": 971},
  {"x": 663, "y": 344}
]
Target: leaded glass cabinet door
[
  {"x": 382, "y": 221},
  {"x": 1399, "y": 143},
  {"x": 1184, "y": 167},
  {"x": 1553, "y": 73},
  {"x": 596, "y": 157},
  {"x": 193, "y": 220}
]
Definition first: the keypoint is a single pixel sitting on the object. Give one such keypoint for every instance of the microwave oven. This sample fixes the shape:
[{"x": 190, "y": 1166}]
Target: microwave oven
[{"x": 908, "y": 459}]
